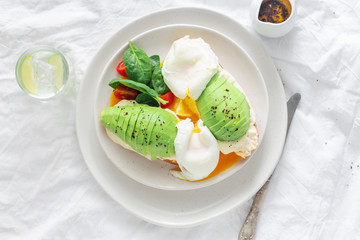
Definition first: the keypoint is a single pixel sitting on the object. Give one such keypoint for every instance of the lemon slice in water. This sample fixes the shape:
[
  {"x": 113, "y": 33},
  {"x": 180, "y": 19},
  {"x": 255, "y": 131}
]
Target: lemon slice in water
[
  {"x": 57, "y": 61},
  {"x": 28, "y": 75}
]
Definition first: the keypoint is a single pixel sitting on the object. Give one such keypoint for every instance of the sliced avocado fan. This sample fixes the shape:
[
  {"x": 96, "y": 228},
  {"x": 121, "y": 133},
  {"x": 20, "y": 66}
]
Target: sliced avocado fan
[
  {"x": 148, "y": 130},
  {"x": 224, "y": 109}
]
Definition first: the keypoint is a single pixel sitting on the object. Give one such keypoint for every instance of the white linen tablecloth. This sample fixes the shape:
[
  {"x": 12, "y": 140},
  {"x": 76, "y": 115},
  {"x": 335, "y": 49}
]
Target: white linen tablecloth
[{"x": 47, "y": 191}]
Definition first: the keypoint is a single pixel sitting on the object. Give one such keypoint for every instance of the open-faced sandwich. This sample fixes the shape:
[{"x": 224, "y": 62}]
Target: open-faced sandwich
[{"x": 186, "y": 110}]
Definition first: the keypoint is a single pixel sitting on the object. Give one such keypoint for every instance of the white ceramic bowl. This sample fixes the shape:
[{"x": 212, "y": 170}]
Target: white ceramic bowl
[
  {"x": 158, "y": 41},
  {"x": 272, "y": 30}
]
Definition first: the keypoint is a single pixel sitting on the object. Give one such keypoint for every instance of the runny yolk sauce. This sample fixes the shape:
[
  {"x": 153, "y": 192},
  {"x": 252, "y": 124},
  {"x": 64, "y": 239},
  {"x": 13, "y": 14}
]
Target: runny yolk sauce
[
  {"x": 186, "y": 108},
  {"x": 113, "y": 100},
  {"x": 226, "y": 161}
]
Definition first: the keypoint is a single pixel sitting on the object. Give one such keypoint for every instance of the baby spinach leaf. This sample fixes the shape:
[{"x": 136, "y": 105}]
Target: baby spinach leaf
[
  {"x": 157, "y": 81},
  {"x": 137, "y": 86},
  {"x": 145, "y": 98},
  {"x": 114, "y": 83},
  {"x": 138, "y": 66},
  {"x": 155, "y": 60}
]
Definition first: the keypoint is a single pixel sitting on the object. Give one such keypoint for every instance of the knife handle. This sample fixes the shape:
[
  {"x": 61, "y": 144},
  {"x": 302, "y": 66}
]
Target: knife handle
[{"x": 248, "y": 229}]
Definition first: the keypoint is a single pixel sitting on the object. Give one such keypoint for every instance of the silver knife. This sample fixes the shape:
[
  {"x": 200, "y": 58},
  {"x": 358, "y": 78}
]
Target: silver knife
[{"x": 248, "y": 229}]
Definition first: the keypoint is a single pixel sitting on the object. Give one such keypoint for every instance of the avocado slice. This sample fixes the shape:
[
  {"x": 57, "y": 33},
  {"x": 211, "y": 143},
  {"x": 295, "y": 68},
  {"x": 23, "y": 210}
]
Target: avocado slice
[
  {"x": 141, "y": 132},
  {"x": 150, "y": 130},
  {"x": 125, "y": 113},
  {"x": 224, "y": 110},
  {"x": 223, "y": 113},
  {"x": 170, "y": 147},
  {"x": 110, "y": 118},
  {"x": 155, "y": 136},
  {"x": 160, "y": 135},
  {"x": 163, "y": 134},
  {"x": 210, "y": 109},
  {"x": 131, "y": 126},
  {"x": 135, "y": 130},
  {"x": 146, "y": 129},
  {"x": 241, "y": 124},
  {"x": 215, "y": 83},
  {"x": 121, "y": 125}
]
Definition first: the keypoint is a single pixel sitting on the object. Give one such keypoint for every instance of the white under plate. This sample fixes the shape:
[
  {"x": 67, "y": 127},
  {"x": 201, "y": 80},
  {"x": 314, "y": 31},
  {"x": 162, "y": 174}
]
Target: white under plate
[
  {"x": 158, "y": 41},
  {"x": 185, "y": 207}
]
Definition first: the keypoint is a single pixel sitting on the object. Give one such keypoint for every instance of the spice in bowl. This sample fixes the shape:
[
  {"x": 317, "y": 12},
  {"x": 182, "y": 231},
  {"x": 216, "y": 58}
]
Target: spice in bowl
[
  {"x": 274, "y": 11},
  {"x": 273, "y": 18}
]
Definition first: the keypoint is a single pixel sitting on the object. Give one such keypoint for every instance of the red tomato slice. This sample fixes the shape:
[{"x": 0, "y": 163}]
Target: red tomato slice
[
  {"x": 121, "y": 69},
  {"x": 124, "y": 92},
  {"x": 169, "y": 97}
]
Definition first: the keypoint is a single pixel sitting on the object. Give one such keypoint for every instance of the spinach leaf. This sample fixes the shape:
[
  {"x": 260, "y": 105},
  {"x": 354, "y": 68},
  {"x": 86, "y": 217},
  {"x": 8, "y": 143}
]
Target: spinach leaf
[
  {"x": 157, "y": 81},
  {"x": 145, "y": 98},
  {"x": 137, "y": 86},
  {"x": 137, "y": 64},
  {"x": 155, "y": 60}
]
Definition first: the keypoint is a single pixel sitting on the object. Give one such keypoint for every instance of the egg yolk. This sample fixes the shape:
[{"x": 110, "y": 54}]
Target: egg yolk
[
  {"x": 185, "y": 108},
  {"x": 113, "y": 100}
]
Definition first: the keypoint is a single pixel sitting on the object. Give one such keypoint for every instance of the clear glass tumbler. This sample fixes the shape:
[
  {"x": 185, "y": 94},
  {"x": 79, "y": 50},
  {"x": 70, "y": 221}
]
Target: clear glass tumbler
[{"x": 42, "y": 72}]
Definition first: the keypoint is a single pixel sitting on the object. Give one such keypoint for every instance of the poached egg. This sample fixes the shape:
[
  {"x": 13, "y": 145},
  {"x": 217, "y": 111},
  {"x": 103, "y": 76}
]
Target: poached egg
[
  {"x": 197, "y": 153},
  {"x": 189, "y": 66}
]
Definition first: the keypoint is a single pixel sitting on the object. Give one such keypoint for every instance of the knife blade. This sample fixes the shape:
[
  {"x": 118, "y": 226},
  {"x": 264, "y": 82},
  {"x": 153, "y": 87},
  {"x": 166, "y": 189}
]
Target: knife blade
[
  {"x": 248, "y": 229},
  {"x": 292, "y": 104}
]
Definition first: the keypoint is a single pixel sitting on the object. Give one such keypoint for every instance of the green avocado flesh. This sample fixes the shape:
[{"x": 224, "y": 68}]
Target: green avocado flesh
[
  {"x": 148, "y": 130},
  {"x": 224, "y": 109}
]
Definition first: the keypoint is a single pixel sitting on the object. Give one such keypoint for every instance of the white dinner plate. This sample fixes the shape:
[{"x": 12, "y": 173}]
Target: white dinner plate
[
  {"x": 158, "y": 41},
  {"x": 185, "y": 207}
]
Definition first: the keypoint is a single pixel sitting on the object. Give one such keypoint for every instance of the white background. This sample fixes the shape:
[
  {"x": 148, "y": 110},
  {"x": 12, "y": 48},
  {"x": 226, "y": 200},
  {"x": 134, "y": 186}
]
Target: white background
[{"x": 47, "y": 192}]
